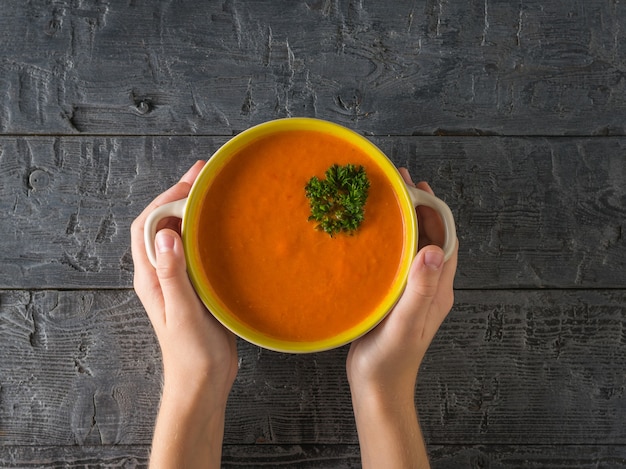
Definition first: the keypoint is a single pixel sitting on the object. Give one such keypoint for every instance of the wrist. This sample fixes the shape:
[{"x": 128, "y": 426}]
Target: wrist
[
  {"x": 200, "y": 387},
  {"x": 384, "y": 391},
  {"x": 388, "y": 429},
  {"x": 383, "y": 400},
  {"x": 189, "y": 429},
  {"x": 196, "y": 396}
]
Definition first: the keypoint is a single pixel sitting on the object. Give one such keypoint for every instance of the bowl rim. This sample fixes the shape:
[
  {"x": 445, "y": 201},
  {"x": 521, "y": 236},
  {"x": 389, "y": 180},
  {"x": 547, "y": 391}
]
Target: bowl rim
[{"x": 220, "y": 310}]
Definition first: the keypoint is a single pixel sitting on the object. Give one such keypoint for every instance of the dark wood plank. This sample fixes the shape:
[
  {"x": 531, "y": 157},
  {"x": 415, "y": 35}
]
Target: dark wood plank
[
  {"x": 531, "y": 212},
  {"x": 326, "y": 456},
  {"x": 70, "y": 457},
  {"x": 508, "y": 367},
  {"x": 76, "y": 368},
  {"x": 528, "y": 457},
  {"x": 71, "y": 202},
  {"x": 412, "y": 67},
  {"x": 534, "y": 367}
]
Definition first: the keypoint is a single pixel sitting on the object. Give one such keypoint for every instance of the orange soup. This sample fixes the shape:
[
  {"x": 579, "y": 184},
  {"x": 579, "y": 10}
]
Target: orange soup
[{"x": 270, "y": 266}]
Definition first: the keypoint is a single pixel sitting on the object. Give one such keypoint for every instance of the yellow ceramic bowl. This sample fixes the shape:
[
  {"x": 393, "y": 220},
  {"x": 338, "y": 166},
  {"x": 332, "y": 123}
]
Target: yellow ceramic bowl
[{"x": 187, "y": 209}]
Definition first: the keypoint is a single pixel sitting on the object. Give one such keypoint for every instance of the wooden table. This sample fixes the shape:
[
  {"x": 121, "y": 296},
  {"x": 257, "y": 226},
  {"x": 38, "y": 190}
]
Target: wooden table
[{"x": 515, "y": 112}]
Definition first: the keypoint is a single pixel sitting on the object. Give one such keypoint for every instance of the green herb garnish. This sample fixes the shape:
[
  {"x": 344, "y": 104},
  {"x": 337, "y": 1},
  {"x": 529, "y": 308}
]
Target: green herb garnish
[{"x": 337, "y": 202}]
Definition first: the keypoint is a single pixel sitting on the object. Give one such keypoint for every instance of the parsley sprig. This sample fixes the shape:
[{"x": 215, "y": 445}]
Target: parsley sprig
[{"x": 337, "y": 202}]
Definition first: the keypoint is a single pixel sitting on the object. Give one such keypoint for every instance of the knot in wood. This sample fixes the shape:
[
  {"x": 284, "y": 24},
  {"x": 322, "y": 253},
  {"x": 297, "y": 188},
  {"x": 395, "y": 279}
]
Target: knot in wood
[
  {"x": 38, "y": 179},
  {"x": 143, "y": 106}
]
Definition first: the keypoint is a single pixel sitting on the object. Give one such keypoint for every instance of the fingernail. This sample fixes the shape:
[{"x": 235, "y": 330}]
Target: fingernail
[
  {"x": 164, "y": 242},
  {"x": 433, "y": 259}
]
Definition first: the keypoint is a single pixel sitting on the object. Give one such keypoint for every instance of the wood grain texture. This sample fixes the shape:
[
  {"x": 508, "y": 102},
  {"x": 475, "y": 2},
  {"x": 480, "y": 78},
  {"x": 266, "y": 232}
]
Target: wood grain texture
[
  {"x": 77, "y": 368},
  {"x": 419, "y": 67},
  {"x": 528, "y": 457},
  {"x": 514, "y": 112},
  {"x": 531, "y": 212},
  {"x": 77, "y": 199},
  {"x": 325, "y": 456},
  {"x": 507, "y": 367},
  {"x": 74, "y": 457},
  {"x": 539, "y": 367}
]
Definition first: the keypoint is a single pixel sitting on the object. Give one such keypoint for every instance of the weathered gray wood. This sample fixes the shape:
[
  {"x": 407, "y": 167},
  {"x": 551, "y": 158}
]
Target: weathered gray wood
[
  {"x": 69, "y": 457},
  {"x": 517, "y": 377},
  {"x": 441, "y": 457},
  {"x": 528, "y": 456},
  {"x": 76, "y": 368},
  {"x": 70, "y": 203},
  {"x": 531, "y": 212},
  {"x": 326, "y": 456},
  {"x": 414, "y": 67},
  {"x": 508, "y": 367},
  {"x": 538, "y": 367}
]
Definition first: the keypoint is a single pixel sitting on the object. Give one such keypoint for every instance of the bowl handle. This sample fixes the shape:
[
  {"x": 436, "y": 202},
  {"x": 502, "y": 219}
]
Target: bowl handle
[
  {"x": 172, "y": 209},
  {"x": 420, "y": 197}
]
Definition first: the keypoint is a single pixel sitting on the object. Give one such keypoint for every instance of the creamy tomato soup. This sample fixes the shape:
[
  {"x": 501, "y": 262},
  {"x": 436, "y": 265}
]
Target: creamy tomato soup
[{"x": 267, "y": 262}]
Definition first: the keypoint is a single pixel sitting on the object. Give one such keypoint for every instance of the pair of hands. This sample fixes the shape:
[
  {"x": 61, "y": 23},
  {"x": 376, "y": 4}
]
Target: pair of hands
[
  {"x": 200, "y": 355},
  {"x": 195, "y": 346}
]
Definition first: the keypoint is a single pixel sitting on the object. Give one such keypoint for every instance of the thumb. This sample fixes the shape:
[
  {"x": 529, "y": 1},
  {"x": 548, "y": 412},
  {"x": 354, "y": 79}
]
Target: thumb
[
  {"x": 171, "y": 269},
  {"x": 426, "y": 270},
  {"x": 422, "y": 285}
]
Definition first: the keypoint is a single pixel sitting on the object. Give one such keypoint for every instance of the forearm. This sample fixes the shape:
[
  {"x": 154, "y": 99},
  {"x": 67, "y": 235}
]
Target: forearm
[
  {"x": 189, "y": 432},
  {"x": 389, "y": 433}
]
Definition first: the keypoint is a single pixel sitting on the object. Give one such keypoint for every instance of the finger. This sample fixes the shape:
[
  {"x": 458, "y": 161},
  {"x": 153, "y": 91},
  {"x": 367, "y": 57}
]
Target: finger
[
  {"x": 145, "y": 281},
  {"x": 406, "y": 176},
  {"x": 143, "y": 267},
  {"x": 182, "y": 187},
  {"x": 172, "y": 273},
  {"x": 179, "y": 191},
  {"x": 443, "y": 302},
  {"x": 176, "y": 192},
  {"x": 432, "y": 230},
  {"x": 423, "y": 185},
  {"x": 191, "y": 174},
  {"x": 449, "y": 269},
  {"x": 428, "y": 219},
  {"x": 431, "y": 227},
  {"x": 422, "y": 287}
]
